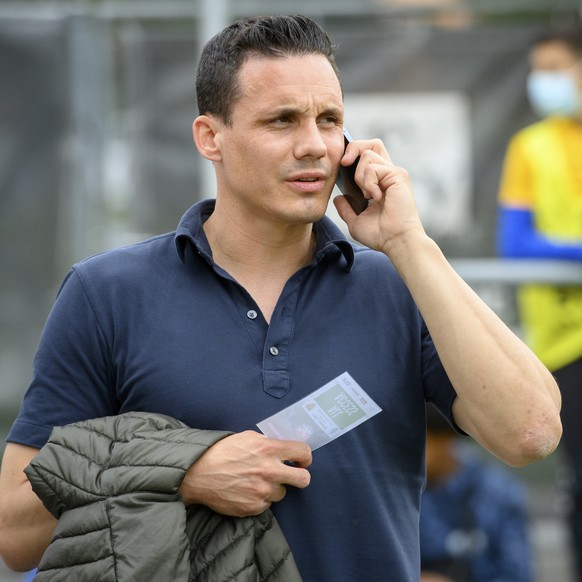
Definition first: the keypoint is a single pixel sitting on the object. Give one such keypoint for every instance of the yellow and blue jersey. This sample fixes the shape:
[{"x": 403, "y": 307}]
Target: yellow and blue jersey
[{"x": 540, "y": 216}]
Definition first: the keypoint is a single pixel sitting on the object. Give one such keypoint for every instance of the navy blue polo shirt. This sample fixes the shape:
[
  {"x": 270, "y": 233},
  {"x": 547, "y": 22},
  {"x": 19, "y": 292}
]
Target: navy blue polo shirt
[{"x": 159, "y": 327}]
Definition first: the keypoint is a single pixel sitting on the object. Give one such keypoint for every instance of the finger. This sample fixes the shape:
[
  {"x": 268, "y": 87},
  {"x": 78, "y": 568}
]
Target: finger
[
  {"x": 395, "y": 176},
  {"x": 361, "y": 147},
  {"x": 345, "y": 211},
  {"x": 297, "y": 452},
  {"x": 370, "y": 169},
  {"x": 370, "y": 176},
  {"x": 294, "y": 476},
  {"x": 277, "y": 494}
]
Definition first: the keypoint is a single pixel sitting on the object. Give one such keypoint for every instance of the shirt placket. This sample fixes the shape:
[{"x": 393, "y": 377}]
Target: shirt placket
[{"x": 273, "y": 340}]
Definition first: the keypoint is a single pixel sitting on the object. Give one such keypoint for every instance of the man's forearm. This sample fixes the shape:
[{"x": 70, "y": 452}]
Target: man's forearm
[
  {"x": 507, "y": 400},
  {"x": 25, "y": 537},
  {"x": 25, "y": 525}
]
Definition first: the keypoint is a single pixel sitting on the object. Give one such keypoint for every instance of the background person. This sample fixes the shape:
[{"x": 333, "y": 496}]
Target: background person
[
  {"x": 473, "y": 515},
  {"x": 540, "y": 216}
]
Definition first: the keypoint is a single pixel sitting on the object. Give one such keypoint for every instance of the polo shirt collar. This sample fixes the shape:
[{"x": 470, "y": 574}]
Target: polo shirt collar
[{"x": 190, "y": 231}]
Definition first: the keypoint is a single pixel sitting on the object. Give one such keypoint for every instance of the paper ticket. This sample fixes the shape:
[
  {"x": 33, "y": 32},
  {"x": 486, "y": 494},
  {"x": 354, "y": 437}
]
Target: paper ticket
[{"x": 324, "y": 415}]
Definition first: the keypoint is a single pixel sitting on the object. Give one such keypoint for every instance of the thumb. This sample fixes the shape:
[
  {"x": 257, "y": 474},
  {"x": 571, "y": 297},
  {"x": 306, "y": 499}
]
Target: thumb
[{"x": 345, "y": 211}]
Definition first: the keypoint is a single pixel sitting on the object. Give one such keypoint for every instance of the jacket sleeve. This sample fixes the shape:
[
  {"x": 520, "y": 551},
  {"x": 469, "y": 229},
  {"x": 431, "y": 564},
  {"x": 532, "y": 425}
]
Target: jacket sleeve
[{"x": 113, "y": 483}]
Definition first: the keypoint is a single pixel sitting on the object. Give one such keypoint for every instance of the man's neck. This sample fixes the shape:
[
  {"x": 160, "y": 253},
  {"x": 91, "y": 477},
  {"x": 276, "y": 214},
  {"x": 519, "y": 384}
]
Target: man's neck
[
  {"x": 261, "y": 257},
  {"x": 254, "y": 246}
]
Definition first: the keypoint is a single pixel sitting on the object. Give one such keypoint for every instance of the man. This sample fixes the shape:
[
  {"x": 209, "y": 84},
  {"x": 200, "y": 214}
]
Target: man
[
  {"x": 263, "y": 302},
  {"x": 540, "y": 216}
]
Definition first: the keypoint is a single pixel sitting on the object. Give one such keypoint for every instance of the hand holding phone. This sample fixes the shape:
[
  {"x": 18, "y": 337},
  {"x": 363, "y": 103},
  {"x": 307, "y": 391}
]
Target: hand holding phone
[{"x": 347, "y": 184}]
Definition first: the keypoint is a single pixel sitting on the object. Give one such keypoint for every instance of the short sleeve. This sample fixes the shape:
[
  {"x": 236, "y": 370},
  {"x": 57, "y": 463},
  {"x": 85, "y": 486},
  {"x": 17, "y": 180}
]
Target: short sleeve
[
  {"x": 72, "y": 372},
  {"x": 437, "y": 387}
]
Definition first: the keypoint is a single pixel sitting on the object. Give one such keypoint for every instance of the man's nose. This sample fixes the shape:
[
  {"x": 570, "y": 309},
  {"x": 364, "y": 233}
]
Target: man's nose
[{"x": 310, "y": 142}]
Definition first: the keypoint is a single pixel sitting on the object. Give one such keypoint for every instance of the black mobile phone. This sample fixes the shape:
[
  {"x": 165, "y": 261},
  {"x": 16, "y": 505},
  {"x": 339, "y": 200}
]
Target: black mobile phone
[{"x": 346, "y": 183}]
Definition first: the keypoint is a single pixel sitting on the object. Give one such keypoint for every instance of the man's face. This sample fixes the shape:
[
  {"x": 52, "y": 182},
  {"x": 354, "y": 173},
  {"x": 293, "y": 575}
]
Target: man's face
[{"x": 279, "y": 157}]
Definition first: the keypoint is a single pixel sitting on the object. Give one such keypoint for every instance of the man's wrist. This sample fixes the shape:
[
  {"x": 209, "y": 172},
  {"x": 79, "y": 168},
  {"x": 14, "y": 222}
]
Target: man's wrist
[{"x": 409, "y": 252}]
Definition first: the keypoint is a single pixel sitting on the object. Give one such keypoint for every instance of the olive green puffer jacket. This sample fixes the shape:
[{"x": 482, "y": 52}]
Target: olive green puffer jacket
[{"x": 113, "y": 485}]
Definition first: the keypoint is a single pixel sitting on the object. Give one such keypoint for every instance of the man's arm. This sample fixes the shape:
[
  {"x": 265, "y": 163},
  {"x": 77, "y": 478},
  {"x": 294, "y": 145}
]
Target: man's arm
[
  {"x": 240, "y": 475},
  {"x": 506, "y": 399},
  {"x": 25, "y": 525}
]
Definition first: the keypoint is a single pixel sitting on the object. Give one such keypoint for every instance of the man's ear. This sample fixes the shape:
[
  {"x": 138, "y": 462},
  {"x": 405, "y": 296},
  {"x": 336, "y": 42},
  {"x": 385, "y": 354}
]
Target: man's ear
[{"x": 206, "y": 134}]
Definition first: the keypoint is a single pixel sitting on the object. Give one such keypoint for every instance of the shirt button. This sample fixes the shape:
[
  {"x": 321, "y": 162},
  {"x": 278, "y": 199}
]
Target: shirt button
[
  {"x": 252, "y": 314},
  {"x": 273, "y": 350}
]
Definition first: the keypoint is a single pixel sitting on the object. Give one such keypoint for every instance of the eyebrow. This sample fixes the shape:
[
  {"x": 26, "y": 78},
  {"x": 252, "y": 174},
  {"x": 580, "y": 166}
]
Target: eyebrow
[{"x": 293, "y": 111}]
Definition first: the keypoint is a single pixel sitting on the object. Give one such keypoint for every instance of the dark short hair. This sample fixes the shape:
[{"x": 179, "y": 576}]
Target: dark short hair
[
  {"x": 217, "y": 79},
  {"x": 571, "y": 36}
]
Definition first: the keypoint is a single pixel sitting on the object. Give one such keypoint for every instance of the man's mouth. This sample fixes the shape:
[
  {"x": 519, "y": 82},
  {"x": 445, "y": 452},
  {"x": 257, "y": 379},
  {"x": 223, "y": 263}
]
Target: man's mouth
[{"x": 308, "y": 184}]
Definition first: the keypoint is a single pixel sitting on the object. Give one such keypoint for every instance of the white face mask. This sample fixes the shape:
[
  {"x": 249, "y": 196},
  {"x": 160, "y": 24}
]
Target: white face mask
[{"x": 554, "y": 93}]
